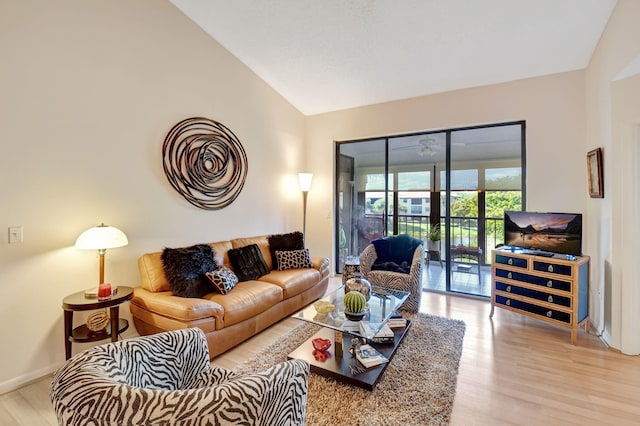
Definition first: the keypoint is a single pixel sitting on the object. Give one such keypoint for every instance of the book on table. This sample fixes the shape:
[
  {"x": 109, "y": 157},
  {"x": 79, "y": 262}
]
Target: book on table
[
  {"x": 369, "y": 357},
  {"x": 397, "y": 320},
  {"x": 384, "y": 335}
]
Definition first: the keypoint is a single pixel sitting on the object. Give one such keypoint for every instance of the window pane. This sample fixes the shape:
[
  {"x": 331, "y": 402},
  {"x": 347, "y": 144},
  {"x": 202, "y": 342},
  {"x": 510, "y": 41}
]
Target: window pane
[
  {"x": 375, "y": 182},
  {"x": 461, "y": 180},
  {"x": 503, "y": 178},
  {"x": 414, "y": 180}
]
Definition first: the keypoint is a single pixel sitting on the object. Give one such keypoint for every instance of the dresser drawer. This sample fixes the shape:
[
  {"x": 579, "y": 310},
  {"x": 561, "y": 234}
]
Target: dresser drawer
[
  {"x": 534, "y": 294},
  {"x": 517, "y": 262},
  {"x": 552, "y": 268},
  {"x": 541, "y": 311},
  {"x": 532, "y": 279}
]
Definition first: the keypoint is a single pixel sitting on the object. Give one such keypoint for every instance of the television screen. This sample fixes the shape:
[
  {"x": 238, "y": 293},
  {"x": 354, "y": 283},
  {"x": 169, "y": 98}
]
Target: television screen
[{"x": 552, "y": 232}]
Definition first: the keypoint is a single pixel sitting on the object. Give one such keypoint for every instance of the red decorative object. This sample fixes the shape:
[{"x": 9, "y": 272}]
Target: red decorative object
[
  {"x": 104, "y": 291},
  {"x": 320, "y": 346}
]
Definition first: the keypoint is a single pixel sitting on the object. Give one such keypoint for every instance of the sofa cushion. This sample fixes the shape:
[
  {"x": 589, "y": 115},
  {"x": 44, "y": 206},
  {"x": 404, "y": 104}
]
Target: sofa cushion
[
  {"x": 248, "y": 299},
  {"x": 220, "y": 254},
  {"x": 290, "y": 241},
  {"x": 248, "y": 262},
  {"x": 185, "y": 269},
  {"x": 293, "y": 259},
  {"x": 223, "y": 279},
  {"x": 293, "y": 281}
]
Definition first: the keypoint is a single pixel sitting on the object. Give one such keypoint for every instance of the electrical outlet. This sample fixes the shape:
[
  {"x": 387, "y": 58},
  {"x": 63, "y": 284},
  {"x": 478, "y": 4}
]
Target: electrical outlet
[{"x": 15, "y": 234}]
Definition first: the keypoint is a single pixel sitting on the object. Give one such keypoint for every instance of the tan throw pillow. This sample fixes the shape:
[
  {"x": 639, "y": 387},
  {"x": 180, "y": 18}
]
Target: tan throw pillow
[{"x": 293, "y": 259}]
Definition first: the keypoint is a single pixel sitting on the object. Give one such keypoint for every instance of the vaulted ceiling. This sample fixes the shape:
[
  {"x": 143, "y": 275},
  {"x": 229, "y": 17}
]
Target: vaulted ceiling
[{"x": 328, "y": 55}]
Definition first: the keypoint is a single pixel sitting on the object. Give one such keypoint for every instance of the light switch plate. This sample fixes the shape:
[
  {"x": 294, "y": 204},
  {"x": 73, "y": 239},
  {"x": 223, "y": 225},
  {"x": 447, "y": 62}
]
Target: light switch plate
[{"x": 15, "y": 234}]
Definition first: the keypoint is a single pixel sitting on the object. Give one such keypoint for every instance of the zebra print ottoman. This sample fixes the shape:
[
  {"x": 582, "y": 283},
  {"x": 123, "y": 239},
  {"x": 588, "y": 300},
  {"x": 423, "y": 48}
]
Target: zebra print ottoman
[{"x": 166, "y": 379}]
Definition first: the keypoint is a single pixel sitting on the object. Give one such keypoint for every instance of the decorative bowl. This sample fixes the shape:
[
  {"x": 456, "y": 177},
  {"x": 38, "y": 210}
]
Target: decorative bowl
[
  {"x": 323, "y": 307},
  {"x": 354, "y": 316},
  {"x": 321, "y": 344}
]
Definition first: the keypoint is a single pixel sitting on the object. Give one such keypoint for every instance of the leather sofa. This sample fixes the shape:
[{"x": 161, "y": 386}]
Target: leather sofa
[{"x": 227, "y": 320}]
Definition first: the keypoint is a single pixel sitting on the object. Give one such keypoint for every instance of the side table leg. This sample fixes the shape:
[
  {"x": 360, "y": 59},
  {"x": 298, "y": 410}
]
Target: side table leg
[
  {"x": 115, "y": 322},
  {"x": 68, "y": 333}
]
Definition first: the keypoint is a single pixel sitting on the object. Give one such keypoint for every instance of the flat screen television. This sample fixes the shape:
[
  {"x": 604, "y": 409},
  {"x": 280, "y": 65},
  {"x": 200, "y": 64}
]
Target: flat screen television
[{"x": 549, "y": 232}]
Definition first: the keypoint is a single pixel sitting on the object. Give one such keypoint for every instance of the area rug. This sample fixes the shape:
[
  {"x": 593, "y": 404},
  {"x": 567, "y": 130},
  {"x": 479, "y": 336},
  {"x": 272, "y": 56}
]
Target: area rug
[{"x": 417, "y": 388}]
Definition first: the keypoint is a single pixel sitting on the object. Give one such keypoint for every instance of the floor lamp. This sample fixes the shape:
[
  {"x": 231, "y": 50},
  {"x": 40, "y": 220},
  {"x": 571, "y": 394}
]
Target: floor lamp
[{"x": 304, "y": 179}]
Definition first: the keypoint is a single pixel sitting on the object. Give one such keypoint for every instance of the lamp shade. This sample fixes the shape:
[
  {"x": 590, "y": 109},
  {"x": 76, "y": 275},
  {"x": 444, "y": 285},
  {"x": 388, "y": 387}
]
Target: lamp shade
[
  {"x": 101, "y": 237},
  {"x": 304, "y": 179}
]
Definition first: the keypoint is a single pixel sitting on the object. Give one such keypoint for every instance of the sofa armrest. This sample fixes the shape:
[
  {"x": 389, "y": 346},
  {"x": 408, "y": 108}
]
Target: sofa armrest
[
  {"x": 321, "y": 264},
  {"x": 179, "y": 308}
]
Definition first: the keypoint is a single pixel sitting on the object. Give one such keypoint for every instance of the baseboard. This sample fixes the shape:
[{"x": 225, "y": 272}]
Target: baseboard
[{"x": 26, "y": 379}]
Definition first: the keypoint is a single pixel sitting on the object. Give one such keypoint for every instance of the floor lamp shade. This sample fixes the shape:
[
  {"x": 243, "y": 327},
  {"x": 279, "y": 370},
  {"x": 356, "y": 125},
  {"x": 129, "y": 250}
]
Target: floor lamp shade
[
  {"x": 304, "y": 179},
  {"x": 101, "y": 238}
]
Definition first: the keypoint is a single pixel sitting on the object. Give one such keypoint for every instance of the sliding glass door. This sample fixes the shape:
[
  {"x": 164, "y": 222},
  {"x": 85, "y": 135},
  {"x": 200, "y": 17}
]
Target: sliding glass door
[{"x": 456, "y": 183}]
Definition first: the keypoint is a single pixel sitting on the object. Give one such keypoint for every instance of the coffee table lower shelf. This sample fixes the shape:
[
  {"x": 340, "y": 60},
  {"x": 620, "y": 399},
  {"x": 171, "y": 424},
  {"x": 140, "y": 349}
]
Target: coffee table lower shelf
[{"x": 339, "y": 367}]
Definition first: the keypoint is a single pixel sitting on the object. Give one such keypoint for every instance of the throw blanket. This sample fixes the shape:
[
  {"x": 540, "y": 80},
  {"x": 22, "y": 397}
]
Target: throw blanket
[{"x": 395, "y": 253}]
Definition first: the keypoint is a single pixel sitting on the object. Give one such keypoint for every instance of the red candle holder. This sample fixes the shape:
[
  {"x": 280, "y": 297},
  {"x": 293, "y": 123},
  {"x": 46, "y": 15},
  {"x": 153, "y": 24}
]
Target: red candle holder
[{"x": 104, "y": 291}]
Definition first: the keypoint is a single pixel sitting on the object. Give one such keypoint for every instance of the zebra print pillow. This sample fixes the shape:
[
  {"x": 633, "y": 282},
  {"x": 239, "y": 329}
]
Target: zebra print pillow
[
  {"x": 167, "y": 378},
  {"x": 293, "y": 259}
]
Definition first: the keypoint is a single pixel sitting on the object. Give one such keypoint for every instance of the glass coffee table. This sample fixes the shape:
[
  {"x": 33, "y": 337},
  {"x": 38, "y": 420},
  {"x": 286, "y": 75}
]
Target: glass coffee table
[{"x": 341, "y": 365}]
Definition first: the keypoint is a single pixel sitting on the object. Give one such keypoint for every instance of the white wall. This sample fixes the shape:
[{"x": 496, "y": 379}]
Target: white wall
[
  {"x": 88, "y": 91},
  {"x": 611, "y": 117}
]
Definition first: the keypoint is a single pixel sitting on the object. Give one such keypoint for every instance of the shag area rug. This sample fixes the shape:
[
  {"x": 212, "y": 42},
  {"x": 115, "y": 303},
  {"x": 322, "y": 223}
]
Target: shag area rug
[{"x": 417, "y": 388}]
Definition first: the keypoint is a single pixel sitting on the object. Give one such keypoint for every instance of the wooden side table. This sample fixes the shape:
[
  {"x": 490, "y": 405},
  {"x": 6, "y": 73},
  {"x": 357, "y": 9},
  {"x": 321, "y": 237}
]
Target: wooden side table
[{"x": 79, "y": 302}]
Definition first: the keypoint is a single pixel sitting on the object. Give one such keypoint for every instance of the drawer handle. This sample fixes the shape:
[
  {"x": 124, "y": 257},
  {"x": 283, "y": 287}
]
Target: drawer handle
[
  {"x": 508, "y": 302},
  {"x": 508, "y": 289},
  {"x": 550, "y": 299},
  {"x": 550, "y": 268},
  {"x": 549, "y": 283},
  {"x": 510, "y": 261},
  {"x": 549, "y": 313},
  {"x": 509, "y": 275}
]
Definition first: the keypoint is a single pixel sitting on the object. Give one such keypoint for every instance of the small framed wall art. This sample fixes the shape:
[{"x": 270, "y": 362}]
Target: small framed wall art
[{"x": 594, "y": 167}]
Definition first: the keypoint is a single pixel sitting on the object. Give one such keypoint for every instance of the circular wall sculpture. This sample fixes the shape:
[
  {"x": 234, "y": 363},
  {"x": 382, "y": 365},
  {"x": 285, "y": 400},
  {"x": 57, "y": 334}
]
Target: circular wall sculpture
[{"x": 205, "y": 162}]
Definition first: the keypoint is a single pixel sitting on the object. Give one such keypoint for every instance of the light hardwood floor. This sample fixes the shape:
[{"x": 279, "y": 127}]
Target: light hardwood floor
[{"x": 513, "y": 370}]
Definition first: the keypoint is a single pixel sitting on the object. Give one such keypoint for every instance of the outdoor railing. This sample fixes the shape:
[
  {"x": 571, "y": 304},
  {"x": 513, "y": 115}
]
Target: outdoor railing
[{"x": 464, "y": 230}]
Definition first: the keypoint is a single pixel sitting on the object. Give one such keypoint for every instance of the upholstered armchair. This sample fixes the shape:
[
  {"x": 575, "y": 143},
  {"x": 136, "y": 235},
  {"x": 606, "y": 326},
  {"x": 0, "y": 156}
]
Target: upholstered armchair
[
  {"x": 167, "y": 379},
  {"x": 395, "y": 262}
]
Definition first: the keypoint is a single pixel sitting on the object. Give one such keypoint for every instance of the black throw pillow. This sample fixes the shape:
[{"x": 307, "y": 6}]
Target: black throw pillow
[
  {"x": 282, "y": 242},
  {"x": 185, "y": 269},
  {"x": 248, "y": 263},
  {"x": 396, "y": 248}
]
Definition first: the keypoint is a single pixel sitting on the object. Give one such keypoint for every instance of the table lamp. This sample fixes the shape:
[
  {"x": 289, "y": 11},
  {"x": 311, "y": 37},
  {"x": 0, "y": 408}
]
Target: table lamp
[{"x": 101, "y": 238}]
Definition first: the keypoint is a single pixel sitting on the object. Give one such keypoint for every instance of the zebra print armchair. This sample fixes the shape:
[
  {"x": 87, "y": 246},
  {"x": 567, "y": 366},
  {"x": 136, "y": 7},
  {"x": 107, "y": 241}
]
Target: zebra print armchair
[
  {"x": 374, "y": 267},
  {"x": 167, "y": 379}
]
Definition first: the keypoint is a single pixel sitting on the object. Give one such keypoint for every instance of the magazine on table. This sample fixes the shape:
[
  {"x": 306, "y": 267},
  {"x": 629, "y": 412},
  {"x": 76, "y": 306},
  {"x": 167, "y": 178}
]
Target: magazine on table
[{"x": 368, "y": 356}]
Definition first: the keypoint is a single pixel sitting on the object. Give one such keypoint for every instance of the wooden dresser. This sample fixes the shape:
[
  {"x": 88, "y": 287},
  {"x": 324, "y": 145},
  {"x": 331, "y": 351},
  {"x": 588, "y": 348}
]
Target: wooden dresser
[{"x": 553, "y": 289}]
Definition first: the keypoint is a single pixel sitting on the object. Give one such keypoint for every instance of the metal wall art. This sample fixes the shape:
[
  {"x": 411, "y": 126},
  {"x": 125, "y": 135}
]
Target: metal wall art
[{"x": 205, "y": 162}]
